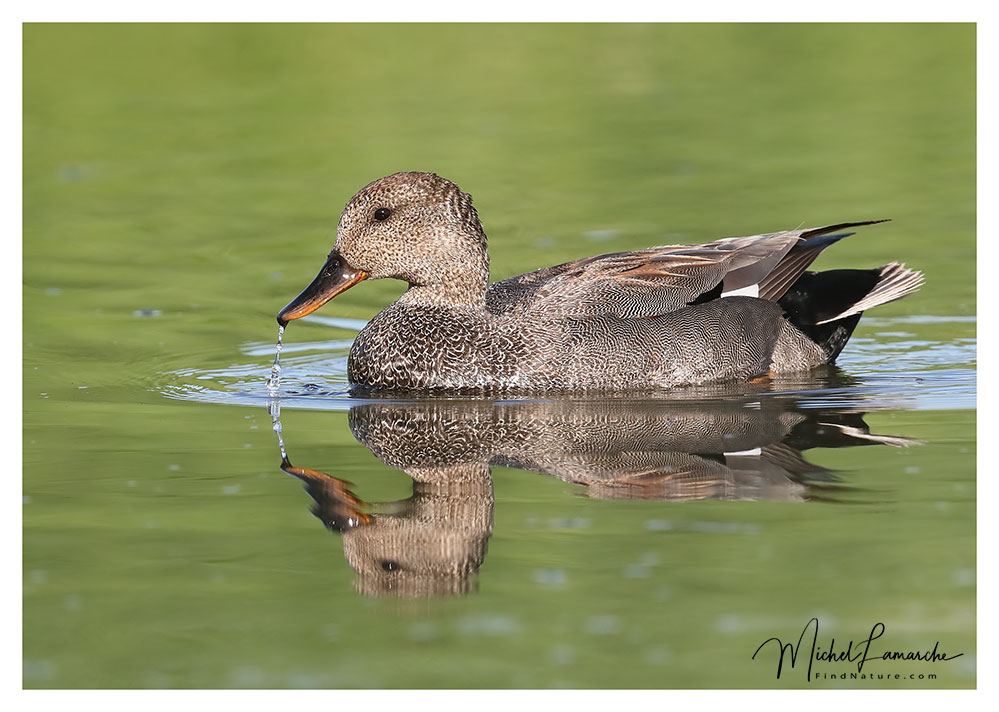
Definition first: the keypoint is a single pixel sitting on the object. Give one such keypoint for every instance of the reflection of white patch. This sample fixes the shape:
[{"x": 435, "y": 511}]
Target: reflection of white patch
[
  {"x": 752, "y": 290},
  {"x": 754, "y": 451},
  {"x": 861, "y": 435}
]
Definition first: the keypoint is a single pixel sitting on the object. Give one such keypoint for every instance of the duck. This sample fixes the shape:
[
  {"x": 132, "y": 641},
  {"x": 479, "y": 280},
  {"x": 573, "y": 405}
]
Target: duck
[{"x": 735, "y": 309}]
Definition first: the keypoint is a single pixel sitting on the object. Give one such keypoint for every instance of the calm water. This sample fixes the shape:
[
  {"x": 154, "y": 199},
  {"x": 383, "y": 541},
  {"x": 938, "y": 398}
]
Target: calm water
[{"x": 182, "y": 183}]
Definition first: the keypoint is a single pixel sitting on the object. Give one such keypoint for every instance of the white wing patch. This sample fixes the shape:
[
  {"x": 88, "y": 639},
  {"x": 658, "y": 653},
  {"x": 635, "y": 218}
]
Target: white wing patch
[
  {"x": 745, "y": 453},
  {"x": 753, "y": 290}
]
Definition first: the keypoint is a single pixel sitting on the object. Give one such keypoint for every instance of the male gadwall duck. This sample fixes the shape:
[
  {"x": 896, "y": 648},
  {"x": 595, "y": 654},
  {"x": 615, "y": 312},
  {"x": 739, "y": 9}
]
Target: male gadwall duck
[{"x": 739, "y": 308}]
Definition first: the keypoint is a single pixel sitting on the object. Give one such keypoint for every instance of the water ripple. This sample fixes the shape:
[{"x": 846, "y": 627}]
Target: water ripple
[{"x": 893, "y": 369}]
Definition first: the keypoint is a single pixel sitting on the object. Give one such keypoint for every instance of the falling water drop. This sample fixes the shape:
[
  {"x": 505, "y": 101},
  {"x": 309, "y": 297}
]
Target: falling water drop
[
  {"x": 274, "y": 383},
  {"x": 274, "y": 409}
]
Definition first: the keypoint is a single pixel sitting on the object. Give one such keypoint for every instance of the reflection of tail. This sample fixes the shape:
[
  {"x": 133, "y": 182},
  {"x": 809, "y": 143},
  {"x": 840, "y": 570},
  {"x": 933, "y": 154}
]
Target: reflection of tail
[
  {"x": 826, "y": 306},
  {"x": 840, "y": 430},
  {"x": 860, "y": 434}
]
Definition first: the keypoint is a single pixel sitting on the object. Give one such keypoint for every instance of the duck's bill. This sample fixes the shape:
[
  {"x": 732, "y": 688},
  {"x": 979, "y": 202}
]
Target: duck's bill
[{"x": 335, "y": 277}]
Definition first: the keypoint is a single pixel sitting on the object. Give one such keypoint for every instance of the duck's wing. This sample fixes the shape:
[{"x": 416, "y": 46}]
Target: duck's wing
[{"x": 659, "y": 280}]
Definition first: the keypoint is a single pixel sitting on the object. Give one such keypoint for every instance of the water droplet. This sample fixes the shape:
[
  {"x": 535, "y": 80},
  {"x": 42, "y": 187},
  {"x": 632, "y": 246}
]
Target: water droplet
[
  {"x": 551, "y": 578},
  {"x": 423, "y": 631},
  {"x": 964, "y": 577},
  {"x": 658, "y": 525},
  {"x": 635, "y": 571},
  {"x": 37, "y": 669},
  {"x": 488, "y": 625},
  {"x": 603, "y": 625},
  {"x": 562, "y": 655},
  {"x": 71, "y": 174},
  {"x": 569, "y": 523},
  {"x": 599, "y": 235},
  {"x": 657, "y": 655}
]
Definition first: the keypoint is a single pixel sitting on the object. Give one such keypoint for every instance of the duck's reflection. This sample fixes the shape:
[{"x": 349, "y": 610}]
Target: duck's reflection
[
  {"x": 434, "y": 542},
  {"x": 428, "y": 545}
]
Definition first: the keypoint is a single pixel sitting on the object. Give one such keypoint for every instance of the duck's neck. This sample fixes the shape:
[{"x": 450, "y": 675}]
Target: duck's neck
[{"x": 460, "y": 287}]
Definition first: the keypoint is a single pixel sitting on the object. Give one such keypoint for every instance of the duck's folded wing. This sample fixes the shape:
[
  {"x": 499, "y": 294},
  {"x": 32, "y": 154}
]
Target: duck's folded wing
[{"x": 659, "y": 280}]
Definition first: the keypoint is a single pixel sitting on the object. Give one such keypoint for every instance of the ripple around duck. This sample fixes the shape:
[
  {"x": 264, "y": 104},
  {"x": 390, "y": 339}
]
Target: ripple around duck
[{"x": 897, "y": 370}]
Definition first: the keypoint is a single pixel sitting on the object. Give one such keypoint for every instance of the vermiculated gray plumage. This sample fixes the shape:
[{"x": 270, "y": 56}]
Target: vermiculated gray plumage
[{"x": 733, "y": 309}]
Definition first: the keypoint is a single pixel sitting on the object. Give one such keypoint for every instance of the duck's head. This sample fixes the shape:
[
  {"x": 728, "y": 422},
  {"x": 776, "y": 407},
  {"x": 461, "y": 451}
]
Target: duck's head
[{"x": 417, "y": 227}]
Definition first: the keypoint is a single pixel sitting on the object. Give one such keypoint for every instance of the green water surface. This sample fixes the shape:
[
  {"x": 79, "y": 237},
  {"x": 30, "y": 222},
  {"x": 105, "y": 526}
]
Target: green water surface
[{"x": 183, "y": 182}]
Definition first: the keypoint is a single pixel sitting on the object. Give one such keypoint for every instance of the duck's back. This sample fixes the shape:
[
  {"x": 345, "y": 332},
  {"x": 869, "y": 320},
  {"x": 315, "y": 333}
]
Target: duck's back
[{"x": 643, "y": 283}]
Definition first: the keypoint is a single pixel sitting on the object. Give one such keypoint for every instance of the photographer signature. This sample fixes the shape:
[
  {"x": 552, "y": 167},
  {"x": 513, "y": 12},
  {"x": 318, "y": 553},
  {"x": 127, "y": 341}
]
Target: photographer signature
[{"x": 859, "y": 653}]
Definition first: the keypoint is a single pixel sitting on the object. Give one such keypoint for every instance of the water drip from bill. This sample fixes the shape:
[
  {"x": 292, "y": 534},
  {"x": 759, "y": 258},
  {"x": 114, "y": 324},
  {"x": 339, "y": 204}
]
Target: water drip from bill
[
  {"x": 274, "y": 409},
  {"x": 274, "y": 383}
]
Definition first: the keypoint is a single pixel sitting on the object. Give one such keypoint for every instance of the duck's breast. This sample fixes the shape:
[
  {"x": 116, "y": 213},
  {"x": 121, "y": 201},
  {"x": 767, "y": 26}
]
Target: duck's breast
[{"x": 435, "y": 348}]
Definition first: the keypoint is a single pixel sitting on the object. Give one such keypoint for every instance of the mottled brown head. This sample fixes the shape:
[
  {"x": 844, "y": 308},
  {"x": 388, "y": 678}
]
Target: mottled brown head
[{"x": 417, "y": 227}]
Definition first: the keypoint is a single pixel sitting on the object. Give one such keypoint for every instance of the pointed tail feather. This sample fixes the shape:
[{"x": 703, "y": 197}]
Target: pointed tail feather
[
  {"x": 793, "y": 265},
  {"x": 816, "y": 231},
  {"x": 810, "y": 245}
]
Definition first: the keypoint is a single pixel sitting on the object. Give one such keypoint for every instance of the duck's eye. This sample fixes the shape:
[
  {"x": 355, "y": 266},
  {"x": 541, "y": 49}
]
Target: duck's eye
[
  {"x": 382, "y": 214},
  {"x": 388, "y": 565}
]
